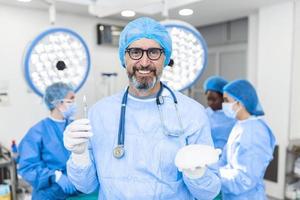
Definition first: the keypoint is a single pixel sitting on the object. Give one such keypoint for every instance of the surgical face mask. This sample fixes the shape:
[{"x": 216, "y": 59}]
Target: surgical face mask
[
  {"x": 228, "y": 109},
  {"x": 69, "y": 111}
]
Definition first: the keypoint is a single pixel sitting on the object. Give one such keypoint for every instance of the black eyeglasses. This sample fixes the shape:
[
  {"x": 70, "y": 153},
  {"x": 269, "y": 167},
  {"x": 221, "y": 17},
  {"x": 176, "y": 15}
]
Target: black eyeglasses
[{"x": 137, "y": 53}]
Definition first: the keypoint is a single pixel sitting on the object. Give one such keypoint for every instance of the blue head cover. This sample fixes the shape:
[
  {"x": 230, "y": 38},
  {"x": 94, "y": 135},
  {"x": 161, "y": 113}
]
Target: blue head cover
[
  {"x": 145, "y": 27},
  {"x": 244, "y": 92},
  {"x": 214, "y": 83},
  {"x": 55, "y": 92}
]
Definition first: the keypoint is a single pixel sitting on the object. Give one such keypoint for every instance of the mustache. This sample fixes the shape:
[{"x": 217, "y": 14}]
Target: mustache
[{"x": 150, "y": 68}]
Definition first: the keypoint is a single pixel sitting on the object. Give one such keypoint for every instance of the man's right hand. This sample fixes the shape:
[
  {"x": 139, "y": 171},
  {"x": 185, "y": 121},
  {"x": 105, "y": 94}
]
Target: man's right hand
[{"x": 76, "y": 136}]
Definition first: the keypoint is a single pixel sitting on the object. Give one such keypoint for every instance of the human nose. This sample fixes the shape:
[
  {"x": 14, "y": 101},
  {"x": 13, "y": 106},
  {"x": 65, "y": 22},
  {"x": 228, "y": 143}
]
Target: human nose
[{"x": 144, "y": 59}]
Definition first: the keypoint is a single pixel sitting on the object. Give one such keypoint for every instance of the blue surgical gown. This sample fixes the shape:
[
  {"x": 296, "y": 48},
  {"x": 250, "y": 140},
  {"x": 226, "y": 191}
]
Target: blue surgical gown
[
  {"x": 221, "y": 126},
  {"x": 246, "y": 156},
  {"x": 147, "y": 170},
  {"x": 41, "y": 153}
]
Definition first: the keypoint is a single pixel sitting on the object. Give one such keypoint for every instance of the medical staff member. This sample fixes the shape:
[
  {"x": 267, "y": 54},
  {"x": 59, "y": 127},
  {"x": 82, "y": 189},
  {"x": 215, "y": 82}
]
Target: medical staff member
[
  {"x": 220, "y": 123},
  {"x": 135, "y": 134},
  {"x": 43, "y": 156},
  {"x": 250, "y": 145}
]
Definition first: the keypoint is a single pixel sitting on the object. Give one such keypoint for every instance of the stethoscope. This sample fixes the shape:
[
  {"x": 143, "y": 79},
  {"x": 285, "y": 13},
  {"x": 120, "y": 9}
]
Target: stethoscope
[{"x": 119, "y": 151}]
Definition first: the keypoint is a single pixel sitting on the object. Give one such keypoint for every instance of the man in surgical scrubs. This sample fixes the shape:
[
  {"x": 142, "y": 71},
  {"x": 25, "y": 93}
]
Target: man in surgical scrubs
[
  {"x": 147, "y": 170},
  {"x": 221, "y": 125},
  {"x": 250, "y": 145},
  {"x": 43, "y": 156}
]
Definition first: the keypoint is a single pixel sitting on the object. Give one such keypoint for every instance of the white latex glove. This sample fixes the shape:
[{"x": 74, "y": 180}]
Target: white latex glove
[
  {"x": 193, "y": 159},
  {"x": 76, "y": 137},
  {"x": 198, "y": 172},
  {"x": 57, "y": 175}
]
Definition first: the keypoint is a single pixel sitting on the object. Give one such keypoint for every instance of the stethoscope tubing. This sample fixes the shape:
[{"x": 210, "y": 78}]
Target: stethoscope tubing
[{"x": 119, "y": 151}]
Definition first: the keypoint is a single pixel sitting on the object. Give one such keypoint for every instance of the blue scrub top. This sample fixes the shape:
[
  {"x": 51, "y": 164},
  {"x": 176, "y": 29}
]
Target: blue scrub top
[
  {"x": 41, "y": 153},
  {"x": 221, "y": 126},
  {"x": 246, "y": 156},
  {"x": 147, "y": 171}
]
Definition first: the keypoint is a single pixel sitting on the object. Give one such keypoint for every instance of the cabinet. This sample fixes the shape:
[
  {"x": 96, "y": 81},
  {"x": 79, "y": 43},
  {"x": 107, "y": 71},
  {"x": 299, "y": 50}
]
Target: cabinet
[
  {"x": 8, "y": 170},
  {"x": 292, "y": 178}
]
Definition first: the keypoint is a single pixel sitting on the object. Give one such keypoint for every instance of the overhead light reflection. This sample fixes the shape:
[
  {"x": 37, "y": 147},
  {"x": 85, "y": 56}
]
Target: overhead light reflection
[
  {"x": 128, "y": 13},
  {"x": 186, "y": 12},
  {"x": 24, "y": 1}
]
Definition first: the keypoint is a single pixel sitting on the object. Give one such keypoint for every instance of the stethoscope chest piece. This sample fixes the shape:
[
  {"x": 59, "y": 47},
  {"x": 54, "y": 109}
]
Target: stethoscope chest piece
[{"x": 118, "y": 151}]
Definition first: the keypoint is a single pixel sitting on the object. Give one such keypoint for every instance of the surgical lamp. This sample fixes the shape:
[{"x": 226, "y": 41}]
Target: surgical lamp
[
  {"x": 56, "y": 55},
  {"x": 189, "y": 55}
]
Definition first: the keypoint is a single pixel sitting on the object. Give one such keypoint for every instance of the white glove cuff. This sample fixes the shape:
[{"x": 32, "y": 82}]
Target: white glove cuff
[
  {"x": 194, "y": 174},
  {"x": 82, "y": 159},
  {"x": 57, "y": 175}
]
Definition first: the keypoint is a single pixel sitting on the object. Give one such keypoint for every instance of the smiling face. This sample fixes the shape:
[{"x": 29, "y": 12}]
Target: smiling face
[{"x": 144, "y": 74}]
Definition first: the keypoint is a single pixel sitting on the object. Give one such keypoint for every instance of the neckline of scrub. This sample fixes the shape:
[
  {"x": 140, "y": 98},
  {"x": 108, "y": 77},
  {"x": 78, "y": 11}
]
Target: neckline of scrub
[
  {"x": 252, "y": 117},
  {"x": 56, "y": 120},
  {"x": 165, "y": 93},
  {"x": 139, "y": 99}
]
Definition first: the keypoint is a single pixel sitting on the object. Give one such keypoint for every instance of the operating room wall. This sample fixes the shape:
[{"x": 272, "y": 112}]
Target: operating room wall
[
  {"x": 270, "y": 64},
  {"x": 18, "y": 27},
  {"x": 295, "y": 81},
  {"x": 227, "y": 53}
]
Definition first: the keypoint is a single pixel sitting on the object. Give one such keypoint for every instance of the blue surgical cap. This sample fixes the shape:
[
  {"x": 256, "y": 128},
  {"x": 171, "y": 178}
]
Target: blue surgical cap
[
  {"x": 214, "y": 83},
  {"x": 55, "y": 92},
  {"x": 145, "y": 27},
  {"x": 244, "y": 92}
]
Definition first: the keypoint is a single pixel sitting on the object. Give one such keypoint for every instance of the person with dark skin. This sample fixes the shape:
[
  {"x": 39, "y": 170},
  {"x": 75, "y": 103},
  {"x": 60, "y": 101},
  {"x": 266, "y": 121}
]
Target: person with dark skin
[
  {"x": 221, "y": 125},
  {"x": 214, "y": 100}
]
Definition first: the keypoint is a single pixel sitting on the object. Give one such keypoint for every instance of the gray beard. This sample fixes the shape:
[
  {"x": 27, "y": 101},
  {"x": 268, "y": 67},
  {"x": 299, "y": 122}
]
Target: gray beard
[{"x": 144, "y": 86}]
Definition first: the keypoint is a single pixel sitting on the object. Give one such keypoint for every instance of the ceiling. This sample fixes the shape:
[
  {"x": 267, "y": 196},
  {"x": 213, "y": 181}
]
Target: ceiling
[{"x": 205, "y": 11}]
